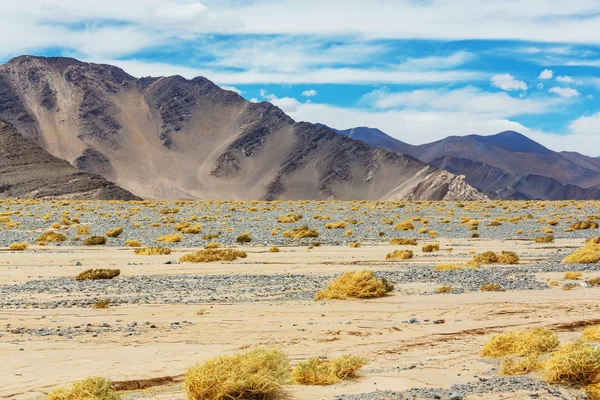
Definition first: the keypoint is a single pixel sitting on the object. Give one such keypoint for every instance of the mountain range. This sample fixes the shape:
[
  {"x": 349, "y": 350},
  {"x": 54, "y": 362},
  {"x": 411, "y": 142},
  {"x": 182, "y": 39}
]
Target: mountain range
[
  {"x": 507, "y": 165},
  {"x": 174, "y": 138}
]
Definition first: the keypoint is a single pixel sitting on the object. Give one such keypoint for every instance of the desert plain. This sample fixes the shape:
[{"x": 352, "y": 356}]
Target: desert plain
[{"x": 162, "y": 315}]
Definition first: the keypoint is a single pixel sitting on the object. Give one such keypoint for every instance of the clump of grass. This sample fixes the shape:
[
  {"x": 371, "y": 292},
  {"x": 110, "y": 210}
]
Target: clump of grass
[
  {"x": 354, "y": 245},
  {"x": 22, "y": 246},
  {"x": 430, "y": 248},
  {"x": 152, "y": 251},
  {"x": 51, "y": 236},
  {"x": 133, "y": 243},
  {"x": 572, "y": 276},
  {"x": 301, "y": 233},
  {"x": 574, "y": 364},
  {"x": 400, "y": 255},
  {"x": 317, "y": 371},
  {"x": 101, "y": 304},
  {"x": 475, "y": 235},
  {"x": 336, "y": 225},
  {"x": 584, "y": 225},
  {"x": 405, "y": 226},
  {"x": 212, "y": 255},
  {"x": 243, "y": 238},
  {"x": 113, "y": 233},
  {"x": 528, "y": 342},
  {"x": 570, "y": 286},
  {"x": 172, "y": 238},
  {"x": 92, "y": 274},
  {"x": 403, "y": 242},
  {"x": 489, "y": 257},
  {"x": 93, "y": 388},
  {"x": 592, "y": 333},
  {"x": 94, "y": 241},
  {"x": 594, "y": 282},
  {"x": 520, "y": 366},
  {"x": 491, "y": 287},
  {"x": 192, "y": 230},
  {"x": 82, "y": 230},
  {"x": 589, "y": 254},
  {"x": 592, "y": 241},
  {"x": 274, "y": 249},
  {"x": 544, "y": 239},
  {"x": 508, "y": 257},
  {"x": 212, "y": 245},
  {"x": 289, "y": 218},
  {"x": 256, "y": 374},
  {"x": 444, "y": 289},
  {"x": 448, "y": 267},
  {"x": 358, "y": 284}
]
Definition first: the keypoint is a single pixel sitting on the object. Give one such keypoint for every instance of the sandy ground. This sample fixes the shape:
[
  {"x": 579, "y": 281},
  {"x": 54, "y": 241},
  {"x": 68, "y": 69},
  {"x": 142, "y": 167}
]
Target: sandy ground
[{"x": 402, "y": 356}]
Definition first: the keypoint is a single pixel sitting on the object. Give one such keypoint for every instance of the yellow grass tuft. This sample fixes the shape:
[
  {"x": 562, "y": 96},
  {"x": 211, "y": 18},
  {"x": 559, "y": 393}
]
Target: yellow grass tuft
[
  {"x": 430, "y": 248},
  {"x": 358, "y": 284},
  {"x": 133, "y": 243},
  {"x": 92, "y": 274},
  {"x": 256, "y": 374},
  {"x": 82, "y": 230},
  {"x": 592, "y": 333},
  {"x": 572, "y": 276},
  {"x": 243, "y": 238},
  {"x": 192, "y": 230},
  {"x": 400, "y": 255},
  {"x": 153, "y": 251},
  {"x": 508, "y": 257},
  {"x": 289, "y": 218},
  {"x": 93, "y": 388},
  {"x": 100, "y": 304},
  {"x": 354, "y": 245},
  {"x": 544, "y": 239},
  {"x": 491, "y": 287},
  {"x": 51, "y": 236},
  {"x": 94, "y": 241},
  {"x": 444, "y": 289},
  {"x": 211, "y": 255},
  {"x": 172, "y": 238},
  {"x": 528, "y": 342},
  {"x": 405, "y": 226},
  {"x": 301, "y": 233},
  {"x": 212, "y": 245},
  {"x": 274, "y": 249},
  {"x": 448, "y": 267},
  {"x": 115, "y": 232},
  {"x": 520, "y": 366},
  {"x": 584, "y": 225},
  {"x": 336, "y": 225},
  {"x": 489, "y": 257},
  {"x": 587, "y": 255},
  {"x": 19, "y": 246},
  {"x": 317, "y": 371},
  {"x": 404, "y": 242},
  {"x": 574, "y": 364}
]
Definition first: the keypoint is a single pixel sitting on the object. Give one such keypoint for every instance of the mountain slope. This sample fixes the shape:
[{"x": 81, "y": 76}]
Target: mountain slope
[
  {"x": 173, "y": 138},
  {"x": 376, "y": 138},
  {"x": 27, "y": 171}
]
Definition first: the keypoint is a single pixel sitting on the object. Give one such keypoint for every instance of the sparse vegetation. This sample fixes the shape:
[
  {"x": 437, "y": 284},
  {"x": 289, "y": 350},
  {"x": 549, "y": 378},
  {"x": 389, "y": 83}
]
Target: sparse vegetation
[
  {"x": 491, "y": 287},
  {"x": 133, "y": 243},
  {"x": 51, "y": 236},
  {"x": 317, "y": 371},
  {"x": 212, "y": 255},
  {"x": 102, "y": 304},
  {"x": 544, "y": 239},
  {"x": 243, "y": 238},
  {"x": 572, "y": 276},
  {"x": 95, "y": 241},
  {"x": 528, "y": 342},
  {"x": 92, "y": 274},
  {"x": 22, "y": 246},
  {"x": 93, "y": 388},
  {"x": 359, "y": 284},
  {"x": 573, "y": 364},
  {"x": 172, "y": 238},
  {"x": 114, "y": 233},
  {"x": 400, "y": 255},
  {"x": 430, "y": 248},
  {"x": 403, "y": 242},
  {"x": 301, "y": 233},
  {"x": 152, "y": 251}
]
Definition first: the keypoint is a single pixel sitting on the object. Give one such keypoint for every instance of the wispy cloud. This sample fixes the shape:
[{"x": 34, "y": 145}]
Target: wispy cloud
[{"x": 508, "y": 82}]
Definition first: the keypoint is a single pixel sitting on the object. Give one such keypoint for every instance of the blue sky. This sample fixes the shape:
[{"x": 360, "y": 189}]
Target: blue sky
[{"x": 419, "y": 70}]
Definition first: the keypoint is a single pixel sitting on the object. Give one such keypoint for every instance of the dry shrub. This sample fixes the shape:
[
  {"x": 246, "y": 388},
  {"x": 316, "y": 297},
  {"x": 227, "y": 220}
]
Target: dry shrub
[
  {"x": 349, "y": 232},
  {"x": 192, "y": 230},
  {"x": 133, "y": 243},
  {"x": 301, "y": 233},
  {"x": 243, "y": 238},
  {"x": 93, "y": 388},
  {"x": 508, "y": 257},
  {"x": 430, "y": 248},
  {"x": 101, "y": 273},
  {"x": 51, "y": 236},
  {"x": 19, "y": 246},
  {"x": 179, "y": 226},
  {"x": 489, "y": 257},
  {"x": 584, "y": 225},
  {"x": 94, "y": 241},
  {"x": 211, "y": 255},
  {"x": 491, "y": 287},
  {"x": 570, "y": 286},
  {"x": 317, "y": 371},
  {"x": 153, "y": 251},
  {"x": 400, "y": 255},
  {"x": 593, "y": 391},
  {"x": 358, "y": 284},
  {"x": 572, "y": 276},
  {"x": 82, "y": 230},
  {"x": 289, "y": 218},
  {"x": 528, "y": 342},
  {"x": 404, "y": 242},
  {"x": 592, "y": 333},
  {"x": 101, "y": 304},
  {"x": 336, "y": 225},
  {"x": 589, "y": 254},
  {"x": 544, "y": 239},
  {"x": 212, "y": 245},
  {"x": 475, "y": 235},
  {"x": 115, "y": 232},
  {"x": 448, "y": 267},
  {"x": 172, "y": 238},
  {"x": 574, "y": 364},
  {"x": 444, "y": 289},
  {"x": 354, "y": 245},
  {"x": 256, "y": 374},
  {"x": 593, "y": 282},
  {"x": 520, "y": 366},
  {"x": 592, "y": 241},
  {"x": 274, "y": 249},
  {"x": 405, "y": 226}
]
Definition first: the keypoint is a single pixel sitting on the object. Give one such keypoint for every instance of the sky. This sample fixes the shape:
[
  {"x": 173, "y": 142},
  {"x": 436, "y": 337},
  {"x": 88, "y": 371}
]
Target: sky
[{"x": 420, "y": 70}]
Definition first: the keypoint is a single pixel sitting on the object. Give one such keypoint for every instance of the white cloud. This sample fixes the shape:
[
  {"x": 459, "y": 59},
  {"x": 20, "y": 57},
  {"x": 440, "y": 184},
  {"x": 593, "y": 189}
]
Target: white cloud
[
  {"x": 508, "y": 82},
  {"x": 287, "y": 104},
  {"x": 540, "y": 86},
  {"x": 232, "y": 89},
  {"x": 565, "y": 92},
  {"x": 309, "y": 93},
  {"x": 546, "y": 74},
  {"x": 437, "y": 62},
  {"x": 586, "y": 125},
  {"x": 565, "y": 79},
  {"x": 180, "y": 12}
]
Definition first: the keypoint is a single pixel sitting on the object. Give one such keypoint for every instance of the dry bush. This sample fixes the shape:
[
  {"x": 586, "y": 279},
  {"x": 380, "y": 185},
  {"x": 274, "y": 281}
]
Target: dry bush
[
  {"x": 101, "y": 273},
  {"x": 133, "y": 243},
  {"x": 491, "y": 287},
  {"x": 475, "y": 235},
  {"x": 82, "y": 230},
  {"x": 430, "y": 248},
  {"x": 172, "y": 238},
  {"x": 153, "y": 251},
  {"x": 573, "y": 364},
  {"x": 94, "y": 241},
  {"x": 354, "y": 245},
  {"x": 489, "y": 257},
  {"x": 316, "y": 371},
  {"x": 256, "y": 374},
  {"x": 212, "y": 245},
  {"x": 51, "y": 236},
  {"x": 19, "y": 246},
  {"x": 400, "y": 255},
  {"x": 592, "y": 333},
  {"x": 101, "y": 304},
  {"x": 180, "y": 225},
  {"x": 584, "y": 225},
  {"x": 593, "y": 391},
  {"x": 289, "y": 218},
  {"x": 448, "y": 267},
  {"x": 301, "y": 233},
  {"x": 336, "y": 225},
  {"x": 211, "y": 255},
  {"x": 405, "y": 226},
  {"x": 544, "y": 239},
  {"x": 572, "y": 276},
  {"x": 592, "y": 241},
  {"x": 570, "y": 286},
  {"x": 192, "y": 230},
  {"x": 115, "y": 232},
  {"x": 274, "y": 249},
  {"x": 243, "y": 238},
  {"x": 520, "y": 366},
  {"x": 403, "y": 242},
  {"x": 93, "y": 388},
  {"x": 589, "y": 254},
  {"x": 508, "y": 257},
  {"x": 444, "y": 289},
  {"x": 358, "y": 284},
  {"x": 528, "y": 342},
  {"x": 593, "y": 282}
]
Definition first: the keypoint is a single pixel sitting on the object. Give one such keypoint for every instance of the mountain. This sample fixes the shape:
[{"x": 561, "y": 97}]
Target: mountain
[
  {"x": 506, "y": 165},
  {"x": 173, "y": 138},
  {"x": 27, "y": 171},
  {"x": 376, "y": 138}
]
